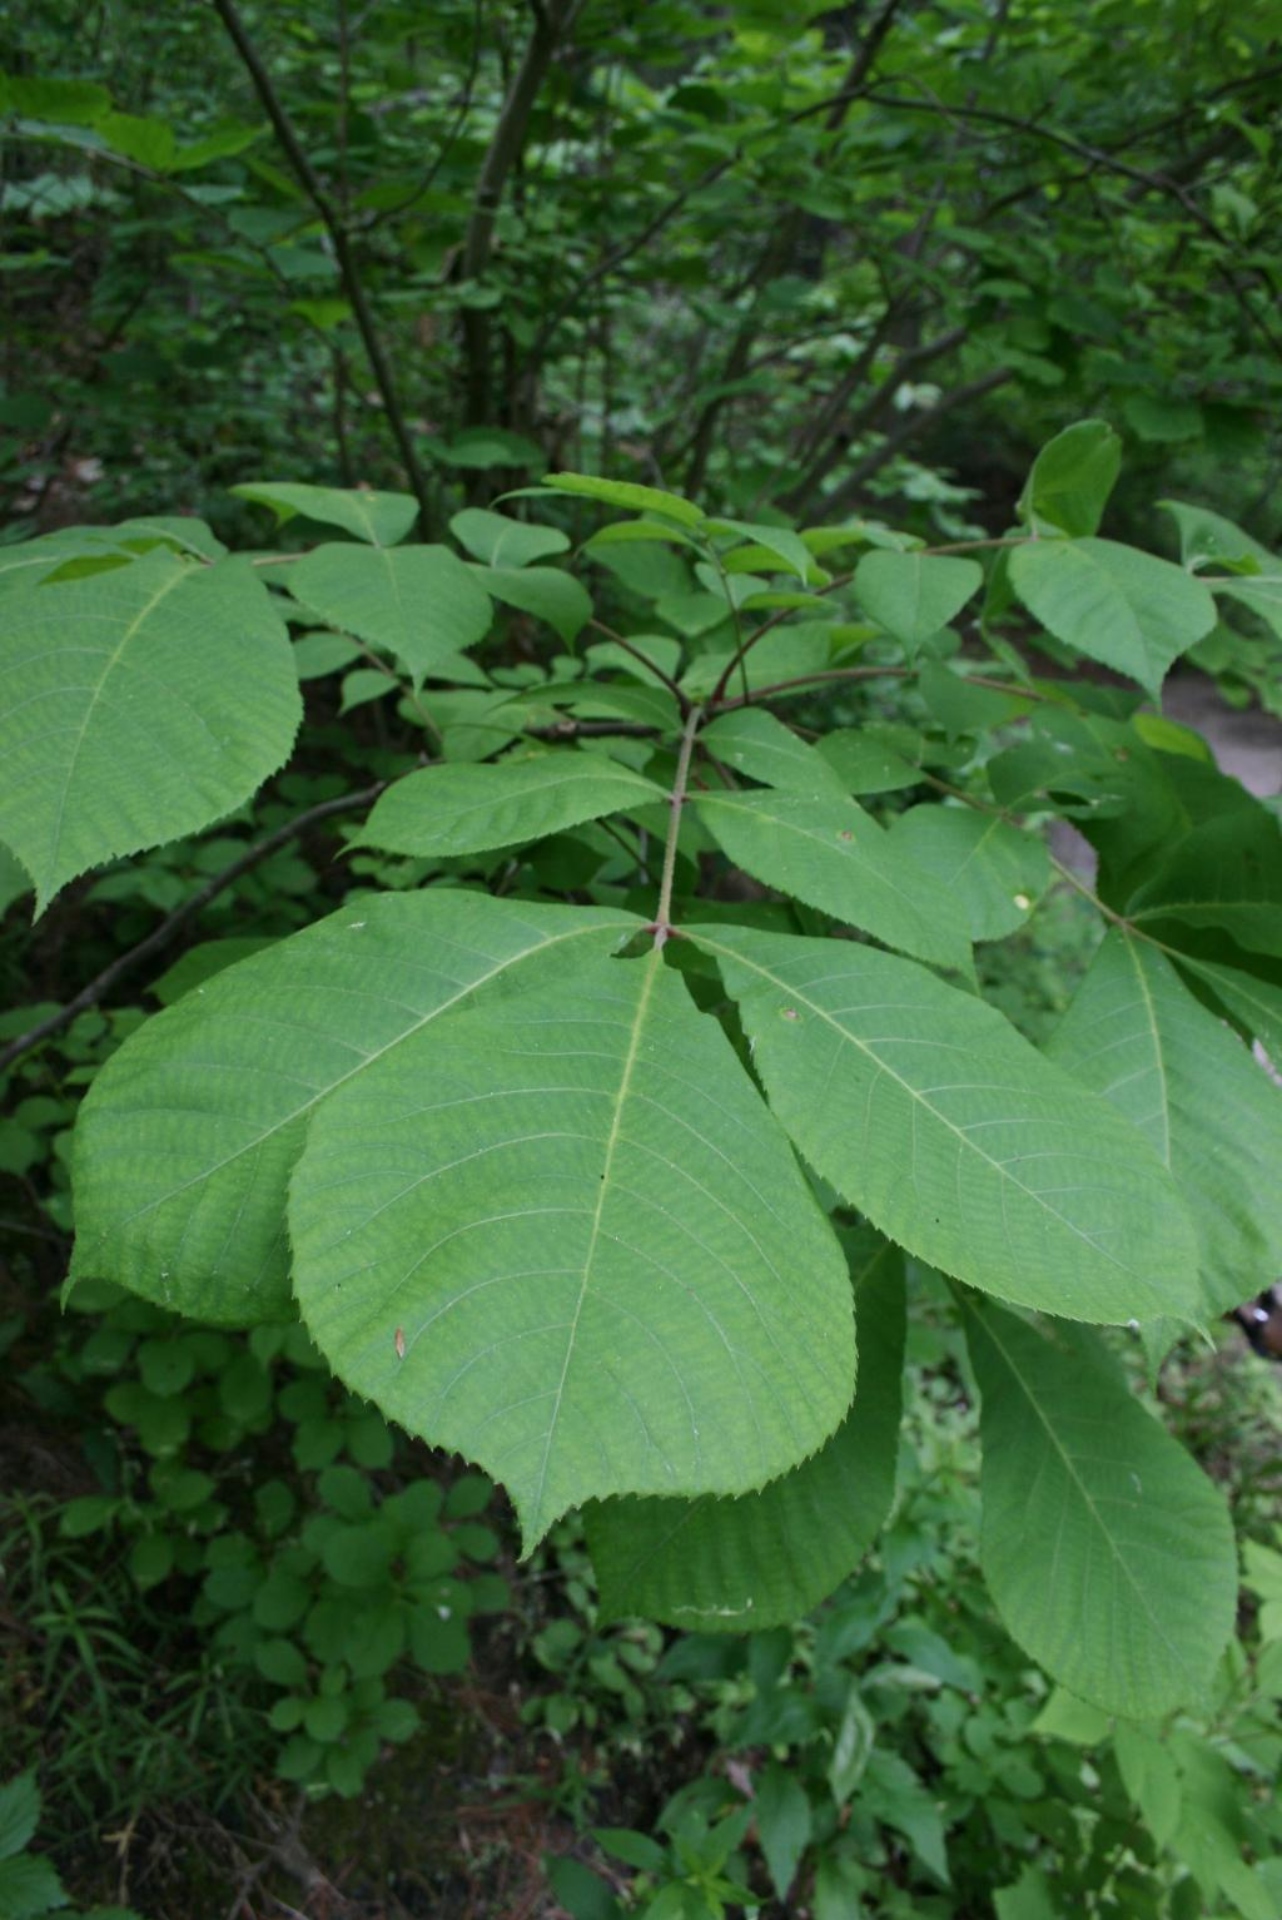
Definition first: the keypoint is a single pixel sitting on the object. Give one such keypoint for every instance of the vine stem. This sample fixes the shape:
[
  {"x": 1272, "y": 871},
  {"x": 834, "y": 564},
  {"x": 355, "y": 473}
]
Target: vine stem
[{"x": 663, "y": 918}]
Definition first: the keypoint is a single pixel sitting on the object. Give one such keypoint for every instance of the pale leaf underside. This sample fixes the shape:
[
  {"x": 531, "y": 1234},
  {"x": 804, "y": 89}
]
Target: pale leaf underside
[
  {"x": 834, "y": 856},
  {"x": 926, "y": 1110},
  {"x": 764, "y": 1560},
  {"x": 1137, "y": 1036},
  {"x": 187, "y": 1138},
  {"x": 1109, "y": 1554},
  {"x": 563, "y": 1235},
  {"x": 123, "y": 721}
]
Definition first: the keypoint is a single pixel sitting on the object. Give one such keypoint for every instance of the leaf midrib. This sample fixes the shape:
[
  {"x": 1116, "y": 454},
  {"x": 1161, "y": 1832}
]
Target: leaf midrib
[
  {"x": 1131, "y": 950},
  {"x": 652, "y": 965},
  {"x": 1070, "y": 1469}
]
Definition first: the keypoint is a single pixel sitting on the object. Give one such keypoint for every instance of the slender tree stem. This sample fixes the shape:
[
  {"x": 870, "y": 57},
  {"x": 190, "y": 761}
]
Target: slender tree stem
[
  {"x": 551, "y": 24},
  {"x": 663, "y": 918},
  {"x": 340, "y": 238},
  {"x": 174, "y": 923}
]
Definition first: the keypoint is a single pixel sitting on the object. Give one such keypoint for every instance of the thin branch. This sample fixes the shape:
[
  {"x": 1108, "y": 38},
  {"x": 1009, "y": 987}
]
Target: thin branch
[
  {"x": 832, "y": 675},
  {"x": 663, "y": 918},
  {"x": 340, "y": 238},
  {"x": 911, "y": 360},
  {"x": 829, "y": 676},
  {"x": 1075, "y": 880},
  {"x": 645, "y": 660},
  {"x": 862, "y": 64},
  {"x": 551, "y": 24},
  {"x": 572, "y": 301},
  {"x": 912, "y": 427},
  {"x": 741, "y": 653},
  {"x": 174, "y": 923},
  {"x": 1100, "y": 157},
  {"x": 464, "y": 108},
  {"x": 593, "y": 730},
  {"x": 635, "y": 854}
]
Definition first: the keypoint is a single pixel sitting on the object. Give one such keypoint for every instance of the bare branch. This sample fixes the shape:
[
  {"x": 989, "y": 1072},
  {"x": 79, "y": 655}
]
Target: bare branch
[
  {"x": 169, "y": 928},
  {"x": 341, "y": 241}
]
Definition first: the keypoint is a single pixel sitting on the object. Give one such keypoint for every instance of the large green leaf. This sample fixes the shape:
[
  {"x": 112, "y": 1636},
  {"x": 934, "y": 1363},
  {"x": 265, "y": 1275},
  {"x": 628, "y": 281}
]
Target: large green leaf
[
  {"x": 563, "y": 1235},
  {"x": 780, "y": 542},
  {"x": 1246, "y": 571},
  {"x": 913, "y": 595},
  {"x": 1262, "y": 596},
  {"x": 926, "y": 1110},
  {"x": 421, "y": 603},
  {"x": 499, "y": 541},
  {"x": 997, "y": 870},
  {"x": 1215, "y": 1829},
  {"x": 831, "y": 854},
  {"x": 874, "y": 758},
  {"x": 30, "y": 1888},
  {"x": 123, "y": 717},
  {"x": 766, "y": 1559},
  {"x": 1208, "y": 539},
  {"x": 1071, "y": 479},
  {"x": 755, "y": 742},
  {"x": 624, "y": 493},
  {"x": 19, "y": 1813},
  {"x": 547, "y": 592},
  {"x": 1136, "y": 613},
  {"x": 1109, "y": 1554},
  {"x": 186, "y": 1141},
  {"x": 1226, "y": 873},
  {"x": 458, "y": 809},
  {"x": 1135, "y": 1034},
  {"x": 1256, "y": 1003},
  {"x": 381, "y": 519}
]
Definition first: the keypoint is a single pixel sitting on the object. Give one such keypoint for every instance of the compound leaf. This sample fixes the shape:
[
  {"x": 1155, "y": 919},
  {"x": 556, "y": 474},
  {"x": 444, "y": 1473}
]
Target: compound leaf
[
  {"x": 499, "y": 541},
  {"x": 913, "y": 595},
  {"x": 1071, "y": 480},
  {"x": 1226, "y": 873},
  {"x": 997, "y": 870},
  {"x": 548, "y": 593},
  {"x": 1137, "y": 1036},
  {"x": 1134, "y": 612},
  {"x": 380, "y": 519},
  {"x": 755, "y": 742},
  {"x": 624, "y": 493},
  {"x": 1256, "y": 1003}
]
